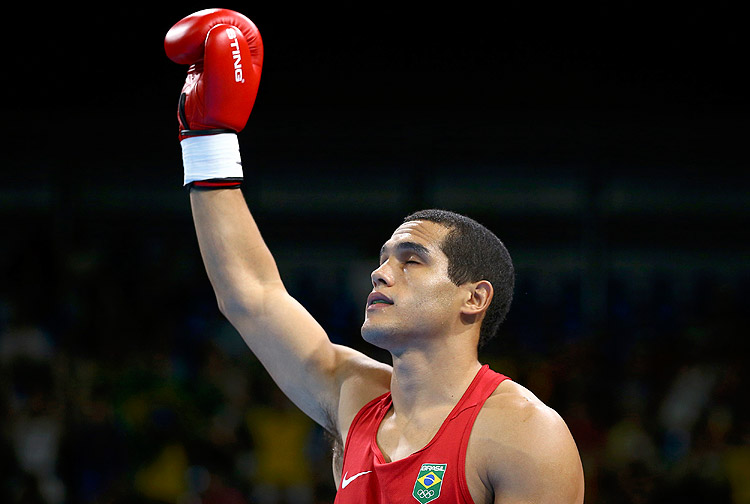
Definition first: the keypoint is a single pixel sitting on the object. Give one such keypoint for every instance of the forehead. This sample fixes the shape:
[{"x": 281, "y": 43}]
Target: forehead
[{"x": 425, "y": 233}]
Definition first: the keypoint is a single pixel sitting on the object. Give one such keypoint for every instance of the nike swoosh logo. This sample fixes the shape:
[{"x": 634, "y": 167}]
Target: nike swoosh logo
[{"x": 346, "y": 480}]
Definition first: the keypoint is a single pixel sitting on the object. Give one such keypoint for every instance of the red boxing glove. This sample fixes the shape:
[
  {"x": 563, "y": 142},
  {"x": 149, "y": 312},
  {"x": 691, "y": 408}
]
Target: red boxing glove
[{"x": 225, "y": 53}]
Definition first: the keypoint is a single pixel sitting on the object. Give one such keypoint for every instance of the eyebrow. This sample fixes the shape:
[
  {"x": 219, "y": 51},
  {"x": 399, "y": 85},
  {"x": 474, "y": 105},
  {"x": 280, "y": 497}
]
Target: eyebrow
[{"x": 417, "y": 248}]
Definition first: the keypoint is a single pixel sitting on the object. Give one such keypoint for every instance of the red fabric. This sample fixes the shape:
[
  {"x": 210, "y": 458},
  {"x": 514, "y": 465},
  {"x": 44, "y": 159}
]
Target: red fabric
[{"x": 394, "y": 482}]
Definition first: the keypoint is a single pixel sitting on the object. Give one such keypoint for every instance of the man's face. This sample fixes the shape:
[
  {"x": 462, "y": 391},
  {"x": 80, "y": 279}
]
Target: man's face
[{"x": 412, "y": 296}]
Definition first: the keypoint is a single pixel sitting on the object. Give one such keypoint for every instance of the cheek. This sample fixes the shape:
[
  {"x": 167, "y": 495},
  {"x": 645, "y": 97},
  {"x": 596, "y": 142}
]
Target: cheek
[{"x": 438, "y": 295}]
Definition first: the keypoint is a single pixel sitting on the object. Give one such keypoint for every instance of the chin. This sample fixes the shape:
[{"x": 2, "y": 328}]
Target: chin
[
  {"x": 379, "y": 336},
  {"x": 386, "y": 337}
]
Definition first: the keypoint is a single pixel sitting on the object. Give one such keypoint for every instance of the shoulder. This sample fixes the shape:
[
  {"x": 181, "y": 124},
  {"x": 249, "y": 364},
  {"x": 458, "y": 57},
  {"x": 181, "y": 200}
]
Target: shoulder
[
  {"x": 522, "y": 449},
  {"x": 361, "y": 379},
  {"x": 518, "y": 410}
]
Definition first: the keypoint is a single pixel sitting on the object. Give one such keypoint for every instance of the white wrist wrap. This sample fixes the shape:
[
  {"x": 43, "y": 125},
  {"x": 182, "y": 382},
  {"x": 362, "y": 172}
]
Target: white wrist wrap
[{"x": 211, "y": 157}]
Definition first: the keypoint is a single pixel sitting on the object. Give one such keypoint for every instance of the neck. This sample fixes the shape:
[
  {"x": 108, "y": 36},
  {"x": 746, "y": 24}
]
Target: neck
[{"x": 432, "y": 377}]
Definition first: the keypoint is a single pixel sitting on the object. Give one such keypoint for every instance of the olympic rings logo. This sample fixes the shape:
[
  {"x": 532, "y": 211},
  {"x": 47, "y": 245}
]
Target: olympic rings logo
[{"x": 425, "y": 493}]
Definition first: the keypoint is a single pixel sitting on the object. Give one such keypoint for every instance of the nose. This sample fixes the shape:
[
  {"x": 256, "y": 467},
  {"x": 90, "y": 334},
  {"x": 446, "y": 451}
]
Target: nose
[{"x": 382, "y": 275}]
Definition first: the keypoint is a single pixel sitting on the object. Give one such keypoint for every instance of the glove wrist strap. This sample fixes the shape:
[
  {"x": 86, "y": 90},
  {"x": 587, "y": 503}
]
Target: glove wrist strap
[
  {"x": 205, "y": 132},
  {"x": 211, "y": 160}
]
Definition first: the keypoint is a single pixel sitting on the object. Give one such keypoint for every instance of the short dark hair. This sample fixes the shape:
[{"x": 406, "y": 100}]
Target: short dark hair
[{"x": 475, "y": 253}]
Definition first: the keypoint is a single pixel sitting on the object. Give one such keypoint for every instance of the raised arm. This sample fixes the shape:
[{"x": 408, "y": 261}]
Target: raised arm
[
  {"x": 215, "y": 104},
  {"x": 290, "y": 344}
]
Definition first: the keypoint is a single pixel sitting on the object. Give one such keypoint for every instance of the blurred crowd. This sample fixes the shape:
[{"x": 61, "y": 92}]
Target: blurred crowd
[{"x": 121, "y": 383}]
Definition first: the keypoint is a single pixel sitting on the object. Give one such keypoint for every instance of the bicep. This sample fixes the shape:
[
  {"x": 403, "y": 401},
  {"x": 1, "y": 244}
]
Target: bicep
[{"x": 301, "y": 359}]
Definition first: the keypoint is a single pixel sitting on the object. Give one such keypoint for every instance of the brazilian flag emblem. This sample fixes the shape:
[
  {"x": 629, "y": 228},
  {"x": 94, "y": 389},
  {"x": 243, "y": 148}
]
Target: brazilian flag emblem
[{"x": 429, "y": 481}]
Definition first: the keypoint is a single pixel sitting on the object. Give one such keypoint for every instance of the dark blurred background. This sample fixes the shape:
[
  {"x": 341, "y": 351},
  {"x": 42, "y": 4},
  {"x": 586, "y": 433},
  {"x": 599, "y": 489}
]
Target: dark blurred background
[{"x": 606, "y": 144}]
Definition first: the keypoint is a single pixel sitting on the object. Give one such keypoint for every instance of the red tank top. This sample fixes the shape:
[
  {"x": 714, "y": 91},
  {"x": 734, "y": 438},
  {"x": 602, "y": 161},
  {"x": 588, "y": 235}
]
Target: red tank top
[{"x": 434, "y": 473}]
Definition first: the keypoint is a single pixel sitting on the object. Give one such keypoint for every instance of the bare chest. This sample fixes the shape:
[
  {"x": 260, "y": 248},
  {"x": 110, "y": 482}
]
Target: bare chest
[{"x": 398, "y": 440}]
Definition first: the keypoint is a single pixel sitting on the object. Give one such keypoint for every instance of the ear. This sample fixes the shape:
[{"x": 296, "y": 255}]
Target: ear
[{"x": 478, "y": 299}]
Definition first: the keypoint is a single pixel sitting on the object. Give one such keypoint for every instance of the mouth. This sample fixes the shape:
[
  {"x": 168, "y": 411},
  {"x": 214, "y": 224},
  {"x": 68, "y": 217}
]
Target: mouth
[{"x": 377, "y": 298}]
